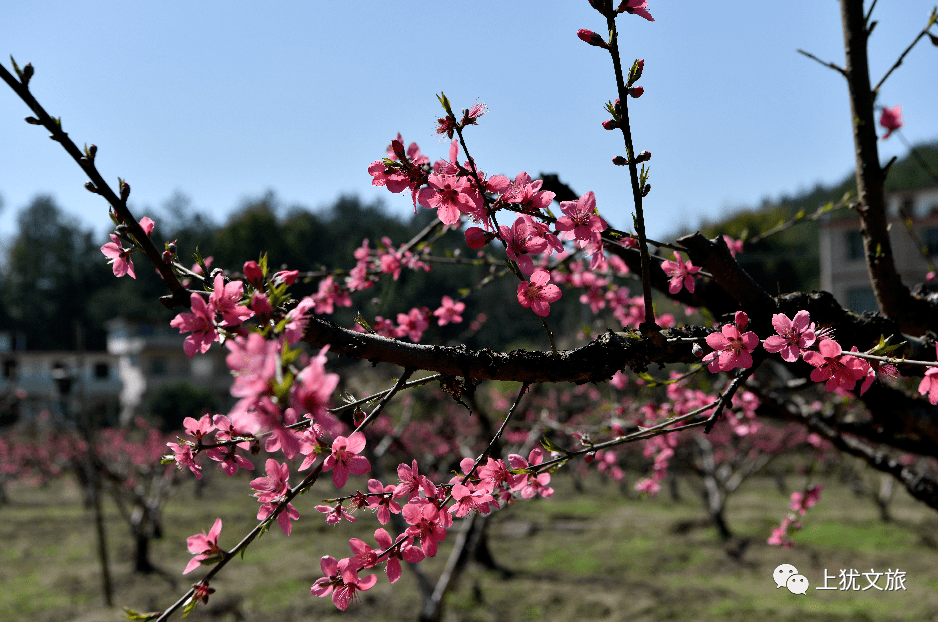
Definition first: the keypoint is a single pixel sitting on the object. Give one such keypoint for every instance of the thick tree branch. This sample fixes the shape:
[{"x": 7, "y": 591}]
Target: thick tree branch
[
  {"x": 595, "y": 362},
  {"x": 893, "y": 297}
]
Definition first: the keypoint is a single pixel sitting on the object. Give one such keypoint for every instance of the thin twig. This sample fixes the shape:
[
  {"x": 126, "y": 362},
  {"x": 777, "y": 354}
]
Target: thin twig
[
  {"x": 931, "y": 20},
  {"x": 649, "y": 326},
  {"x": 308, "y": 481},
  {"x": 836, "y": 68}
]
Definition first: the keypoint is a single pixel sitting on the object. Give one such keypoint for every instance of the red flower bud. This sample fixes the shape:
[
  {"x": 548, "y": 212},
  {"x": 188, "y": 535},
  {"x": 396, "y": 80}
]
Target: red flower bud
[
  {"x": 252, "y": 272},
  {"x": 610, "y": 124},
  {"x": 636, "y": 91},
  {"x": 592, "y": 38},
  {"x": 286, "y": 276}
]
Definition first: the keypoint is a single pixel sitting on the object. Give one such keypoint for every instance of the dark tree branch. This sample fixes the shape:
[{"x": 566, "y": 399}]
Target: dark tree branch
[
  {"x": 893, "y": 297},
  {"x": 920, "y": 485}
]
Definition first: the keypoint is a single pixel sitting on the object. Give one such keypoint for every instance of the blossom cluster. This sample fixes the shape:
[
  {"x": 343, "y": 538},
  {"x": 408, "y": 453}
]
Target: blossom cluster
[
  {"x": 794, "y": 338},
  {"x": 429, "y": 510},
  {"x": 800, "y": 503},
  {"x": 458, "y": 190}
]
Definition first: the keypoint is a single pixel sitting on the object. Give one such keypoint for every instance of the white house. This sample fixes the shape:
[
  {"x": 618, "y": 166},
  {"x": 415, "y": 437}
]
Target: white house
[
  {"x": 843, "y": 266},
  {"x": 150, "y": 357},
  {"x": 114, "y": 385}
]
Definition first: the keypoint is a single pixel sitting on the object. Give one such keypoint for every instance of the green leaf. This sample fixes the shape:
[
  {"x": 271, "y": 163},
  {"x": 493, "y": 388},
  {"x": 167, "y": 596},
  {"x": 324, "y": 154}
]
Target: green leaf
[
  {"x": 654, "y": 382},
  {"x": 884, "y": 348},
  {"x": 549, "y": 445},
  {"x": 361, "y": 321},
  {"x": 141, "y": 617},
  {"x": 446, "y": 105},
  {"x": 190, "y": 605},
  {"x": 16, "y": 68}
]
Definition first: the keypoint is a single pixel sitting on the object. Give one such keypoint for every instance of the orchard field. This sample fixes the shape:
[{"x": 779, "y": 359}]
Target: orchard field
[
  {"x": 563, "y": 353},
  {"x": 594, "y": 552}
]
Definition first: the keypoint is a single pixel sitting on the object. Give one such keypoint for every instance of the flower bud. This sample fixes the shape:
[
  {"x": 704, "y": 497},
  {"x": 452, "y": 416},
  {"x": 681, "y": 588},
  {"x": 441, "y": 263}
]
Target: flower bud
[
  {"x": 610, "y": 124},
  {"x": 125, "y": 190},
  {"x": 252, "y": 272},
  {"x": 27, "y": 73},
  {"x": 589, "y": 457},
  {"x": 592, "y": 38},
  {"x": 167, "y": 257},
  {"x": 646, "y": 190},
  {"x": 260, "y": 304},
  {"x": 286, "y": 276},
  {"x": 90, "y": 187},
  {"x": 643, "y": 157},
  {"x": 636, "y": 91},
  {"x": 33, "y": 121},
  {"x": 619, "y": 161}
]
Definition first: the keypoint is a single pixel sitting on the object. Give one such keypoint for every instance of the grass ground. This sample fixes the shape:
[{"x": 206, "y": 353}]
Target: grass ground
[{"x": 597, "y": 555}]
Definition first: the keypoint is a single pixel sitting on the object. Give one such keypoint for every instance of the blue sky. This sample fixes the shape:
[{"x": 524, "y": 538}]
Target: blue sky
[{"x": 223, "y": 101}]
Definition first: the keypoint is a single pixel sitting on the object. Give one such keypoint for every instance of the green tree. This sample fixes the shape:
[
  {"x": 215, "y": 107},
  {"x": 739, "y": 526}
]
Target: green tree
[{"x": 53, "y": 269}]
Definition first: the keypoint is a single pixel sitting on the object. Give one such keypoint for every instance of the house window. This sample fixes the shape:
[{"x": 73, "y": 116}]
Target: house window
[
  {"x": 855, "y": 246},
  {"x": 9, "y": 369},
  {"x": 101, "y": 371},
  {"x": 908, "y": 207},
  {"x": 930, "y": 240},
  {"x": 861, "y": 299},
  {"x": 158, "y": 366},
  {"x": 202, "y": 366}
]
